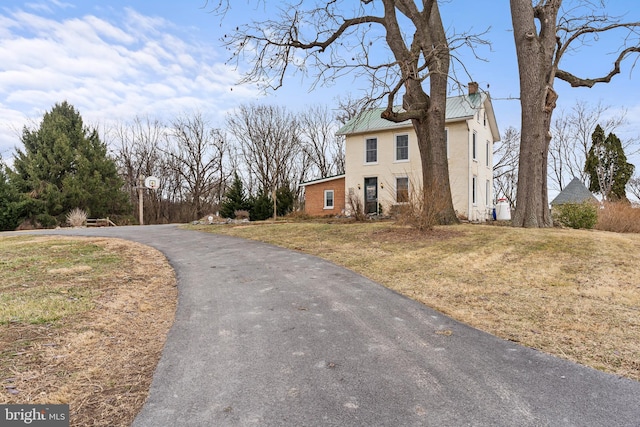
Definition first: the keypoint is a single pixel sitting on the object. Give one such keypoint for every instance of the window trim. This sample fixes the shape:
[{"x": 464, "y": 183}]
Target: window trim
[
  {"x": 366, "y": 150},
  {"x": 333, "y": 199},
  {"x": 395, "y": 146}
]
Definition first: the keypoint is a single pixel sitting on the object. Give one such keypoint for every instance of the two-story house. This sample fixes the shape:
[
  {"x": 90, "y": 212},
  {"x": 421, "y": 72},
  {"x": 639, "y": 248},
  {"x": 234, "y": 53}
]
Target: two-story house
[{"x": 382, "y": 164}]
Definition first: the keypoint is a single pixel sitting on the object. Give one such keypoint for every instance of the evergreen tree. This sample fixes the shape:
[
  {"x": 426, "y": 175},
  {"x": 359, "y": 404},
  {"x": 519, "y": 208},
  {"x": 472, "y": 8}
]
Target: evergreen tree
[
  {"x": 607, "y": 167},
  {"x": 261, "y": 207},
  {"x": 64, "y": 166},
  {"x": 10, "y": 205},
  {"x": 285, "y": 198},
  {"x": 234, "y": 199}
]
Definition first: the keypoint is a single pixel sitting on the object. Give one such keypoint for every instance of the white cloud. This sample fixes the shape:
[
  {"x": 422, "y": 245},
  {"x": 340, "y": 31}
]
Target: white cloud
[
  {"x": 48, "y": 6},
  {"x": 109, "y": 69}
]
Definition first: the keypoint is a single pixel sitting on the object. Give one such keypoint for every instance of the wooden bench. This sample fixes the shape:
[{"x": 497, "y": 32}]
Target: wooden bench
[{"x": 99, "y": 222}]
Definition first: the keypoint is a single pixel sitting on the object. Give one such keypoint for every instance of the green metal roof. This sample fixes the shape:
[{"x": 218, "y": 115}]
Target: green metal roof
[{"x": 460, "y": 107}]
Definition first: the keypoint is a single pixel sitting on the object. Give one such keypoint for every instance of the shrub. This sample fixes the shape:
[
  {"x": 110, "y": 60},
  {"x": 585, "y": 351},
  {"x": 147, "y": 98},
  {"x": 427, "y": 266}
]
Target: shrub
[
  {"x": 46, "y": 221},
  {"x": 422, "y": 210},
  {"x": 76, "y": 218},
  {"x": 576, "y": 215},
  {"x": 619, "y": 217},
  {"x": 357, "y": 207}
]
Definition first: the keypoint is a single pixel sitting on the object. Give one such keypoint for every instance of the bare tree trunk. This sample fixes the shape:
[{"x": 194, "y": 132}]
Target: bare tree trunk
[
  {"x": 433, "y": 154},
  {"x": 537, "y": 99},
  {"x": 427, "y": 112},
  {"x": 541, "y": 39}
]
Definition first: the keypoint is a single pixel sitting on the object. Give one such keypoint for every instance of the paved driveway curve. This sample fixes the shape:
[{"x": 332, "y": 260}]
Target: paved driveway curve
[{"x": 270, "y": 337}]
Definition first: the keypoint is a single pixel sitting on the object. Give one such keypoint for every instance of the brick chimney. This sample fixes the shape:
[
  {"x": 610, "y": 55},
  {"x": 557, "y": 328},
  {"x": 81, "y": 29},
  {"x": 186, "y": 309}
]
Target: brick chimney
[{"x": 473, "y": 88}]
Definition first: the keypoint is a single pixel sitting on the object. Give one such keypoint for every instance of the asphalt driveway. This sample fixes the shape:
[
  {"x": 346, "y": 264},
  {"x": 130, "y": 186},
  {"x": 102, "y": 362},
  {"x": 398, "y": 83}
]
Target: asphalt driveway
[{"x": 270, "y": 337}]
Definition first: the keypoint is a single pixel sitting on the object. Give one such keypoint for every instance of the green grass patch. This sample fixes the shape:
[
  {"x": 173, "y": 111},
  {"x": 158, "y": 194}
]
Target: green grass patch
[
  {"x": 28, "y": 261},
  {"x": 45, "y": 279},
  {"x": 41, "y": 305}
]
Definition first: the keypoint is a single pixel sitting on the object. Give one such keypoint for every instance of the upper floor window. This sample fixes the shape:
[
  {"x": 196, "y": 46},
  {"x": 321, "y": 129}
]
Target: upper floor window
[
  {"x": 474, "y": 146},
  {"x": 402, "y": 147},
  {"x": 371, "y": 150},
  {"x": 484, "y": 119},
  {"x": 402, "y": 189},
  {"x": 486, "y": 154}
]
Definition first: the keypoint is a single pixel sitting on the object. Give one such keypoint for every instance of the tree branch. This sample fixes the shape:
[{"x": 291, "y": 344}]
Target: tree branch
[{"x": 575, "y": 81}]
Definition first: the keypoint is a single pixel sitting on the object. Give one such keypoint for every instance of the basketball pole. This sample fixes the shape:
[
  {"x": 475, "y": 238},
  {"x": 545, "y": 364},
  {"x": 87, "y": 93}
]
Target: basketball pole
[{"x": 141, "y": 199}]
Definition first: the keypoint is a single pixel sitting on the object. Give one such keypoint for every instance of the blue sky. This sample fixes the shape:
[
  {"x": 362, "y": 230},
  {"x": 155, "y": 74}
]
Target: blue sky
[{"x": 118, "y": 59}]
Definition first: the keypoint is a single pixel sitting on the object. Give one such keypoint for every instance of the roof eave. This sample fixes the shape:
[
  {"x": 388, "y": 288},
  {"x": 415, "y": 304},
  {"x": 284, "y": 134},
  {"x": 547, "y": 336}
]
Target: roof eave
[
  {"x": 400, "y": 125},
  {"x": 321, "y": 180}
]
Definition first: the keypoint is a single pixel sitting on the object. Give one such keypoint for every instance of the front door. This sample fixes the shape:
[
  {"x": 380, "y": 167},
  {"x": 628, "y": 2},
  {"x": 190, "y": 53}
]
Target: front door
[{"x": 371, "y": 195}]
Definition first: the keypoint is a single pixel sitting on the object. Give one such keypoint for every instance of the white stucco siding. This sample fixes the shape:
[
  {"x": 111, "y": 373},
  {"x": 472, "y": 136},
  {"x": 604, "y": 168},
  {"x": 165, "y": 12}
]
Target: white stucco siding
[
  {"x": 481, "y": 168},
  {"x": 462, "y": 167},
  {"x": 387, "y": 167},
  {"x": 459, "y": 156}
]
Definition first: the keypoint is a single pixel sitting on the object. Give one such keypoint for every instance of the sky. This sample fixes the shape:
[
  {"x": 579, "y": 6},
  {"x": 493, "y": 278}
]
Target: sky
[{"x": 163, "y": 58}]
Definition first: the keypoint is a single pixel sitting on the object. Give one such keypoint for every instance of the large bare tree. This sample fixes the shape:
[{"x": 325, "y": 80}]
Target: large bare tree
[
  {"x": 321, "y": 145},
  {"x": 332, "y": 38},
  {"x": 544, "y": 32},
  {"x": 269, "y": 140},
  {"x": 196, "y": 155},
  {"x": 137, "y": 150}
]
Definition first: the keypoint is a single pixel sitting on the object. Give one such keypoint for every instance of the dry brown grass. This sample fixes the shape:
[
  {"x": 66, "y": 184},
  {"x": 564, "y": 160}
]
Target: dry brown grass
[
  {"x": 619, "y": 217},
  {"x": 571, "y": 293},
  {"x": 99, "y": 357}
]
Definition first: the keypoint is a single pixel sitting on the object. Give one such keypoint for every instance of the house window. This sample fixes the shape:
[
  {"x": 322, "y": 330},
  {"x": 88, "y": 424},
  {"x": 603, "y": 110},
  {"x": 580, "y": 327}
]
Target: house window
[
  {"x": 484, "y": 119},
  {"x": 446, "y": 140},
  {"x": 402, "y": 189},
  {"x": 328, "y": 199},
  {"x": 402, "y": 147},
  {"x": 371, "y": 150},
  {"x": 486, "y": 154},
  {"x": 474, "y": 190},
  {"x": 488, "y": 195},
  {"x": 474, "y": 146}
]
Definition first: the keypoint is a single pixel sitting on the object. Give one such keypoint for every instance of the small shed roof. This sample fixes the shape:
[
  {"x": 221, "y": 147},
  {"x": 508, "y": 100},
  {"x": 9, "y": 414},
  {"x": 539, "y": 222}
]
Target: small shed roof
[
  {"x": 321, "y": 180},
  {"x": 574, "y": 192}
]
